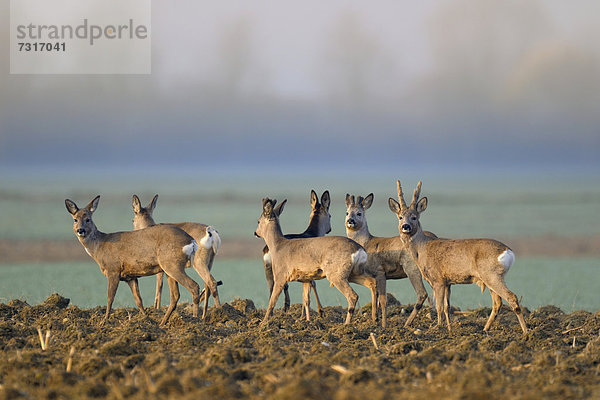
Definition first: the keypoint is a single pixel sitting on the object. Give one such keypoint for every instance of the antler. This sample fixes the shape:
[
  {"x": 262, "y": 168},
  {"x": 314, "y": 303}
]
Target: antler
[
  {"x": 268, "y": 206},
  {"x": 400, "y": 195},
  {"x": 416, "y": 195}
]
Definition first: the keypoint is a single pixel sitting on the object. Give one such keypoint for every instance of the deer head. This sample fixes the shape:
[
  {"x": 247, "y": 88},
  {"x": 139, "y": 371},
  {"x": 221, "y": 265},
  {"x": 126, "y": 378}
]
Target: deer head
[
  {"x": 270, "y": 215},
  {"x": 408, "y": 216},
  {"x": 83, "y": 226},
  {"x": 142, "y": 216},
  {"x": 355, "y": 211}
]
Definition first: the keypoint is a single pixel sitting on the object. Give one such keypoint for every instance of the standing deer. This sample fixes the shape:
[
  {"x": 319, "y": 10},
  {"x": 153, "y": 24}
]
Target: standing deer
[
  {"x": 387, "y": 254},
  {"x": 336, "y": 258},
  {"x": 319, "y": 224},
  {"x": 445, "y": 262},
  {"x": 206, "y": 236},
  {"x": 126, "y": 256}
]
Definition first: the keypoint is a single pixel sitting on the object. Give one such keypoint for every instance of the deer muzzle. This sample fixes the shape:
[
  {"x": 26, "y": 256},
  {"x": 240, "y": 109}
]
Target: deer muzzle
[{"x": 406, "y": 228}]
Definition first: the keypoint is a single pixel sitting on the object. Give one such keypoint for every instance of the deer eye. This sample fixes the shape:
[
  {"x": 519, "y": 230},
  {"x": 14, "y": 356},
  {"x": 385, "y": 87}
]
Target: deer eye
[
  {"x": 414, "y": 218},
  {"x": 346, "y": 213},
  {"x": 87, "y": 220},
  {"x": 359, "y": 214},
  {"x": 74, "y": 219},
  {"x": 399, "y": 216}
]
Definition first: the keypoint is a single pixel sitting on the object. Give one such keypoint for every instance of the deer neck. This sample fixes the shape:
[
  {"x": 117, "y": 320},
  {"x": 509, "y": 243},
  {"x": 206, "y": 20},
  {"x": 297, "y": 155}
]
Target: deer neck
[
  {"x": 360, "y": 236},
  {"x": 415, "y": 244},
  {"x": 315, "y": 228},
  {"x": 274, "y": 235},
  {"x": 147, "y": 222},
  {"x": 91, "y": 242}
]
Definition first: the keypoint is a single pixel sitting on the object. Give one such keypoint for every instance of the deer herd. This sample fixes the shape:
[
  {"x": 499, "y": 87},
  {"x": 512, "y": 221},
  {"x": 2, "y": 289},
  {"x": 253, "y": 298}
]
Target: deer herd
[{"x": 360, "y": 257}]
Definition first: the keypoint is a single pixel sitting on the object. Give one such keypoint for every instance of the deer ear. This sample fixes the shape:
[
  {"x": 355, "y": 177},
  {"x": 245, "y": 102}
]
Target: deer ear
[
  {"x": 91, "y": 207},
  {"x": 279, "y": 209},
  {"x": 325, "y": 200},
  {"x": 152, "y": 204},
  {"x": 71, "y": 206},
  {"x": 135, "y": 202},
  {"x": 314, "y": 199},
  {"x": 422, "y": 205},
  {"x": 394, "y": 206},
  {"x": 367, "y": 202}
]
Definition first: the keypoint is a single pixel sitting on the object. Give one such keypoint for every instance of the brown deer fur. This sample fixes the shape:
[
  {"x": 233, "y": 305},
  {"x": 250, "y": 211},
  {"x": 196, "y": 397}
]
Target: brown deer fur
[
  {"x": 386, "y": 254},
  {"x": 208, "y": 240},
  {"x": 319, "y": 224},
  {"x": 336, "y": 258},
  {"x": 126, "y": 256},
  {"x": 446, "y": 262}
]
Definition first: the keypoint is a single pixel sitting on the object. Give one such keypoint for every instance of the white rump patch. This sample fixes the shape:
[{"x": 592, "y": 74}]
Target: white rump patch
[
  {"x": 190, "y": 249},
  {"x": 211, "y": 239},
  {"x": 267, "y": 258},
  {"x": 507, "y": 258},
  {"x": 360, "y": 257}
]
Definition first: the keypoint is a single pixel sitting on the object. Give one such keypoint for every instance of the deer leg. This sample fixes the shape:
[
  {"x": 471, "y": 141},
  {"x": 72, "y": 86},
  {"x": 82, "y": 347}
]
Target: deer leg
[
  {"x": 202, "y": 295},
  {"x": 370, "y": 284},
  {"x": 158, "y": 293},
  {"x": 306, "y": 299},
  {"x": 343, "y": 286},
  {"x": 188, "y": 283},
  {"x": 286, "y": 304},
  {"x": 313, "y": 284},
  {"x": 417, "y": 283},
  {"x": 174, "y": 292},
  {"x": 496, "y": 304},
  {"x": 496, "y": 283},
  {"x": 439, "y": 291},
  {"x": 447, "y": 305},
  {"x": 206, "y": 297},
  {"x": 135, "y": 290},
  {"x": 215, "y": 292},
  {"x": 271, "y": 281},
  {"x": 202, "y": 265},
  {"x": 113, "y": 283},
  {"x": 374, "y": 299},
  {"x": 277, "y": 288},
  {"x": 381, "y": 286}
]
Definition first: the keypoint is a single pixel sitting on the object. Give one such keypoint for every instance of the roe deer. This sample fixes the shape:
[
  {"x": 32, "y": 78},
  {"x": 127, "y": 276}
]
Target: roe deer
[
  {"x": 387, "y": 254},
  {"x": 336, "y": 258},
  {"x": 319, "y": 224},
  {"x": 206, "y": 236},
  {"x": 126, "y": 256},
  {"x": 445, "y": 262}
]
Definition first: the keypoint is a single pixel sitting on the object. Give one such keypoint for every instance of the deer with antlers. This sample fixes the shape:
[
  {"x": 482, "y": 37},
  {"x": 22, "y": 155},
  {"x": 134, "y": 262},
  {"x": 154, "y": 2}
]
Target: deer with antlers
[
  {"x": 126, "y": 256},
  {"x": 387, "y": 254},
  {"x": 445, "y": 262},
  {"x": 336, "y": 258},
  {"x": 206, "y": 236},
  {"x": 319, "y": 224}
]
